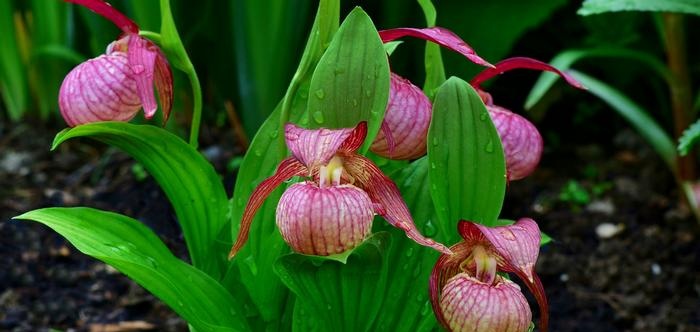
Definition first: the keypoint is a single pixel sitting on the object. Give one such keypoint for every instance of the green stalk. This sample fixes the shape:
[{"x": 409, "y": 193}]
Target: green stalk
[
  {"x": 681, "y": 99},
  {"x": 172, "y": 44}
]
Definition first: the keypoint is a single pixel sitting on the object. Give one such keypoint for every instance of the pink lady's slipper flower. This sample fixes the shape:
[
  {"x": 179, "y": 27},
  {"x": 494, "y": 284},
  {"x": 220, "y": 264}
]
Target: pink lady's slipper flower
[
  {"x": 116, "y": 85},
  {"x": 522, "y": 143},
  {"x": 407, "y": 118},
  {"x": 332, "y": 210},
  {"x": 468, "y": 295}
]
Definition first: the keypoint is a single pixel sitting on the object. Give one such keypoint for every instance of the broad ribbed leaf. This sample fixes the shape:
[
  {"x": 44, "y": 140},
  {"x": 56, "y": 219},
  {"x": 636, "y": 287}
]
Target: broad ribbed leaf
[
  {"x": 405, "y": 304},
  {"x": 136, "y": 251},
  {"x": 351, "y": 82},
  {"x": 467, "y": 166},
  {"x": 189, "y": 181},
  {"x": 564, "y": 60},
  {"x": 340, "y": 297},
  {"x": 639, "y": 118},
  {"x": 591, "y": 7}
]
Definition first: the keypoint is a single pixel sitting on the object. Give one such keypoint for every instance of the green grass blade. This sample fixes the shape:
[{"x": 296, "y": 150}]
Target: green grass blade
[
  {"x": 467, "y": 165},
  {"x": 640, "y": 119},
  {"x": 565, "y": 60},
  {"x": 189, "y": 181},
  {"x": 13, "y": 76},
  {"x": 690, "y": 137},
  {"x": 590, "y": 7},
  {"x": 136, "y": 251}
]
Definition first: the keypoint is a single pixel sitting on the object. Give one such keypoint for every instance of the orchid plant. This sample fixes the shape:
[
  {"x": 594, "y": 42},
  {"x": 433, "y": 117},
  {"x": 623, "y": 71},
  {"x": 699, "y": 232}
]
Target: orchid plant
[{"x": 326, "y": 265}]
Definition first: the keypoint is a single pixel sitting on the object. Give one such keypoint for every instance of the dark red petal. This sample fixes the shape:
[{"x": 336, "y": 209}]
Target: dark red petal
[
  {"x": 107, "y": 11},
  {"x": 440, "y": 36},
  {"x": 286, "y": 170},
  {"x": 521, "y": 63},
  {"x": 356, "y": 138},
  {"x": 164, "y": 84},
  {"x": 142, "y": 56},
  {"x": 383, "y": 191}
]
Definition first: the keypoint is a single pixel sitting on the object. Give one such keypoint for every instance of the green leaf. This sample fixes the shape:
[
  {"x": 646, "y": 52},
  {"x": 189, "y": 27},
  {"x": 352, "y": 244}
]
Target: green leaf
[
  {"x": 136, "y": 251},
  {"x": 639, "y": 118},
  {"x": 341, "y": 297},
  {"x": 689, "y": 138},
  {"x": 565, "y": 60},
  {"x": 189, "y": 181},
  {"x": 351, "y": 82},
  {"x": 467, "y": 166},
  {"x": 406, "y": 305},
  {"x": 590, "y": 7},
  {"x": 13, "y": 76}
]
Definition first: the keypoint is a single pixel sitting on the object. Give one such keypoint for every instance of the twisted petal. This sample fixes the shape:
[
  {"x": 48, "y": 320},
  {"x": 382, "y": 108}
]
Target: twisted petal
[
  {"x": 105, "y": 10},
  {"x": 324, "y": 221},
  {"x": 286, "y": 170},
  {"x": 518, "y": 247},
  {"x": 522, "y": 143},
  {"x": 142, "y": 60},
  {"x": 468, "y": 305},
  {"x": 164, "y": 84},
  {"x": 384, "y": 192},
  {"x": 440, "y": 36},
  {"x": 521, "y": 63},
  {"x": 99, "y": 89},
  {"x": 406, "y": 120},
  {"x": 316, "y": 147}
]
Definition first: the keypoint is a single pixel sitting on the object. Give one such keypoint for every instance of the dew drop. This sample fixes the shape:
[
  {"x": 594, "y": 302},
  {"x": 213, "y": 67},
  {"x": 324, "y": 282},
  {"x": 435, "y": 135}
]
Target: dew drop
[
  {"x": 409, "y": 252},
  {"x": 436, "y": 141},
  {"x": 354, "y": 102},
  {"x": 368, "y": 93},
  {"x": 483, "y": 116},
  {"x": 489, "y": 146},
  {"x": 426, "y": 309},
  {"x": 429, "y": 229},
  {"x": 320, "y": 93},
  {"x": 406, "y": 267},
  {"x": 433, "y": 165},
  {"x": 339, "y": 70},
  {"x": 274, "y": 133},
  {"x": 258, "y": 152},
  {"x": 318, "y": 116}
]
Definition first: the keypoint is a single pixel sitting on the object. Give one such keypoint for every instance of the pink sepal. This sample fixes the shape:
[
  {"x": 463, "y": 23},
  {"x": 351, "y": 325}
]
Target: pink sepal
[
  {"x": 438, "y": 35},
  {"x": 315, "y": 147}
]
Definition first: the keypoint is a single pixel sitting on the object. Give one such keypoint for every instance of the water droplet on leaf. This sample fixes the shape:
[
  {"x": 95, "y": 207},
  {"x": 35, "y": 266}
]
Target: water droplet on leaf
[
  {"x": 320, "y": 93},
  {"x": 318, "y": 116},
  {"x": 489, "y": 146}
]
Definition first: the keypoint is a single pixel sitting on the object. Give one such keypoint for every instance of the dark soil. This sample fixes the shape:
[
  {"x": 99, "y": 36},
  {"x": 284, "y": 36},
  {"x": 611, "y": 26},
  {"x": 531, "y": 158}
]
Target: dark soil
[{"x": 639, "y": 276}]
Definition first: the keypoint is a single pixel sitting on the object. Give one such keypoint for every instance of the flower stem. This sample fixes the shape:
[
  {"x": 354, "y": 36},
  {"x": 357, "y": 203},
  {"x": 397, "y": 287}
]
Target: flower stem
[{"x": 172, "y": 44}]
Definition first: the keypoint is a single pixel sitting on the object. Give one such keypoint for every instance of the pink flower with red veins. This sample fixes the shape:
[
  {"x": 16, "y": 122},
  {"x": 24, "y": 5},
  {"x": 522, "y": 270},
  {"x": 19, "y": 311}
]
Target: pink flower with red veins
[
  {"x": 468, "y": 295},
  {"x": 522, "y": 143},
  {"x": 407, "y": 118},
  {"x": 116, "y": 85},
  {"x": 332, "y": 210}
]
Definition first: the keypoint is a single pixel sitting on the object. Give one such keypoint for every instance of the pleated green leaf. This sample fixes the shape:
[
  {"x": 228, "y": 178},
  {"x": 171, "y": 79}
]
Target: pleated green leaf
[
  {"x": 339, "y": 296},
  {"x": 351, "y": 82},
  {"x": 467, "y": 165},
  {"x": 189, "y": 181},
  {"x": 136, "y": 251}
]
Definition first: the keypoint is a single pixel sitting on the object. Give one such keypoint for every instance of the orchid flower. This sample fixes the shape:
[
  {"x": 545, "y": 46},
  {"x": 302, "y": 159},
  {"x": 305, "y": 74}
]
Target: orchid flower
[
  {"x": 332, "y": 210},
  {"x": 405, "y": 127},
  {"x": 117, "y": 84},
  {"x": 466, "y": 292},
  {"x": 522, "y": 142}
]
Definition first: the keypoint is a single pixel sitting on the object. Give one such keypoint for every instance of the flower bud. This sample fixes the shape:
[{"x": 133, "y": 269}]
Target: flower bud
[
  {"x": 469, "y": 305},
  {"x": 99, "y": 89},
  {"x": 522, "y": 143},
  {"x": 324, "y": 221},
  {"x": 407, "y": 119}
]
